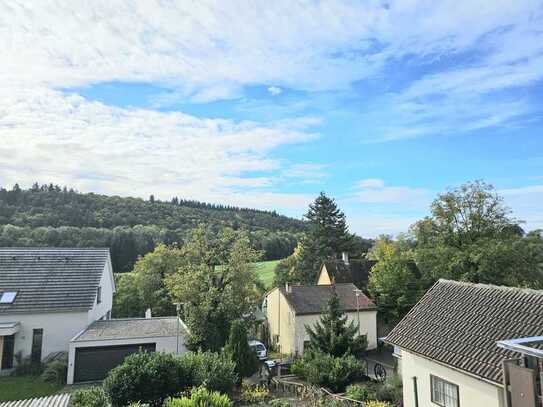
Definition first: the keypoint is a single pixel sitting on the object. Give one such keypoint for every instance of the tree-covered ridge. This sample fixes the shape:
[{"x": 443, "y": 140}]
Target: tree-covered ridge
[
  {"x": 52, "y": 216},
  {"x": 52, "y": 205}
]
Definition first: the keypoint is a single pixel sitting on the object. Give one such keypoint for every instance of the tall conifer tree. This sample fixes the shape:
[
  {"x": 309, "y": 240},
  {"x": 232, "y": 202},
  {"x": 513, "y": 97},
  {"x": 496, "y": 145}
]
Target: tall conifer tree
[{"x": 333, "y": 335}]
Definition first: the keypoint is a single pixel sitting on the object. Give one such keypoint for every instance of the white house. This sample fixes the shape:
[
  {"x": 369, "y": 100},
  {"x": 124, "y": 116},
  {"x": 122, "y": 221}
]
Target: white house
[
  {"x": 448, "y": 346},
  {"x": 291, "y": 308},
  {"x": 47, "y": 296},
  {"x": 59, "y": 300}
]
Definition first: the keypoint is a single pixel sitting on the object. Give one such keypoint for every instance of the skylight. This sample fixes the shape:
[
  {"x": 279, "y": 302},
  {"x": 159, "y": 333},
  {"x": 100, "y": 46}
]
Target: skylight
[{"x": 8, "y": 297}]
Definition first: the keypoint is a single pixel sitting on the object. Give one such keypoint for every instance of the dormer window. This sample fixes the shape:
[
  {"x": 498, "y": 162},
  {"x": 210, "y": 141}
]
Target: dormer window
[
  {"x": 7, "y": 297},
  {"x": 98, "y": 295}
]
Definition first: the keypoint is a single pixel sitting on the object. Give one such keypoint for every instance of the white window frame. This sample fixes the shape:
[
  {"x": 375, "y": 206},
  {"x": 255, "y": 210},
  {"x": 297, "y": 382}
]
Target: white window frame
[{"x": 444, "y": 393}]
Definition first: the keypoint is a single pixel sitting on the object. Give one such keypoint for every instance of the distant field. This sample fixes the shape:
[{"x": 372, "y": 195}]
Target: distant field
[{"x": 264, "y": 270}]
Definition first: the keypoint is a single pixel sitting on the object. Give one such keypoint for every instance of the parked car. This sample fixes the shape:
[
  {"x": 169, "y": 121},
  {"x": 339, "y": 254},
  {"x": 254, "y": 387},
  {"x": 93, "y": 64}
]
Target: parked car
[{"x": 260, "y": 349}]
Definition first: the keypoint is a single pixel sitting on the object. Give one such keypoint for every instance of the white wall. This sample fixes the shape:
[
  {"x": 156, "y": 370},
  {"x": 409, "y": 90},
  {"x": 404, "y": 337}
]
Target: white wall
[
  {"x": 472, "y": 391},
  {"x": 368, "y": 327},
  {"x": 99, "y": 311},
  {"x": 58, "y": 329},
  {"x": 166, "y": 344}
]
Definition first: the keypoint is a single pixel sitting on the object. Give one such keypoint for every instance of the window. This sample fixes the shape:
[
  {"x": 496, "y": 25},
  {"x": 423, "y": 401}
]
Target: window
[
  {"x": 8, "y": 297},
  {"x": 99, "y": 295},
  {"x": 37, "y": 338},
  {"x": 444, "y": 393}
]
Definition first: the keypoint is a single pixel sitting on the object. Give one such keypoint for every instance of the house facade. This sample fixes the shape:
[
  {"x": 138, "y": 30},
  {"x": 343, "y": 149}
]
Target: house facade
[
  {"x": 345, "y": 270},
  {"x": 291, "y": 308},
  {"x": 448, "y": 350},
  {"x": 47, "y": 296}
]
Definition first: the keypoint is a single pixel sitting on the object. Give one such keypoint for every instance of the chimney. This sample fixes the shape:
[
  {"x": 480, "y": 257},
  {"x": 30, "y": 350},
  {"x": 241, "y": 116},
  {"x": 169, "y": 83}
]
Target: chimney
[
  {"x": 148, "y": 313},
  {"x": 288, "y": 288},
  {"x": 345, "y": 258}
]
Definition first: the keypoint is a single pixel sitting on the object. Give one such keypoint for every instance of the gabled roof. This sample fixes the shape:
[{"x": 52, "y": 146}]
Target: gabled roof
[
  {"x": 311, "y": 299},
  {"x": 356, "y": 271},
  {"x": 458, "y": 324},
  {"x": 131, "y": 328},
  {"x": 51, "y": 279}
]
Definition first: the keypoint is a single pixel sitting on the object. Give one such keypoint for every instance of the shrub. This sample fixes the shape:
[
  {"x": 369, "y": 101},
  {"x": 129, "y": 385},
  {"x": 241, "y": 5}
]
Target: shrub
[
  {"x": 244, "y": 358},
  {"x": 254, "y": 394},
  {"x": 89, "y": 397},
  {"x": 215, "y": 372},
  {"x": 55, "y": 372},
  {"x": 359, "y": 393},
  {"x": 279, "y": 403},
  {"x": 25, "y": 367},
  {"x": 201, "y": 397},
  {"x": 148, "y": 377},
  {"x": 375, "y": 403},
  {"x": 391, "y": 390},
  {"x": 325, "y": 370}
]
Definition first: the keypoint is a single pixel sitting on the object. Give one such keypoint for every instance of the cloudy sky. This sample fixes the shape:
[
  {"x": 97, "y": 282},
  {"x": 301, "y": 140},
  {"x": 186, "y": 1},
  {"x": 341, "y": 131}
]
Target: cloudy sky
[{"x": 382, "y": 104}]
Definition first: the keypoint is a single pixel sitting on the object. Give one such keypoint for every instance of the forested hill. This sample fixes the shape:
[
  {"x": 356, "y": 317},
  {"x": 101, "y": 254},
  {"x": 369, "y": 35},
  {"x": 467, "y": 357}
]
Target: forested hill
[{"x": 49, "y": 215}]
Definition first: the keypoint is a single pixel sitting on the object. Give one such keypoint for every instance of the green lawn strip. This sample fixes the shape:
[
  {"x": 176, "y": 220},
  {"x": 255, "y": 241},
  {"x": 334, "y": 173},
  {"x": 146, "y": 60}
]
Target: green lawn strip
[
  {"x": 265, "y": 271},
  {"x": 24, "y": 387}
]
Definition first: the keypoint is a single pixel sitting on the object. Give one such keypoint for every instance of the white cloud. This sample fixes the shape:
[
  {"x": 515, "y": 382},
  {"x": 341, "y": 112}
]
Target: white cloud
[
  {"x": 374, "y": 191},
  {"x": 370, "y": 183},
  {"x": 275, "y": 90},
  {"x": 310, "y": 173},
  {"x": 208, "y": 49},
  {"x": 374, "y": 224},
  {"x": 50, "y": 136},
  {"x": 525, "y": 202}
]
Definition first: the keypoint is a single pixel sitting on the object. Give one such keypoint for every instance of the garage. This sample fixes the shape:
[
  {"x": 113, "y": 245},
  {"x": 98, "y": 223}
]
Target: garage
[
  {"x": 94, "y": 363},
  {"x": 106, "y": 343}
]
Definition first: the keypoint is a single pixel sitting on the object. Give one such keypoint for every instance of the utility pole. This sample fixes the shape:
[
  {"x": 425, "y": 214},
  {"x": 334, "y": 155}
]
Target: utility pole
[
  {"x": 177, "y": 311},
  {"x": 358, "y": 292}
]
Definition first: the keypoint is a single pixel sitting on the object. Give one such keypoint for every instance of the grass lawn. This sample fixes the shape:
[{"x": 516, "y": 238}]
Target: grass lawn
[
  {"x": 264, "y": 270},
  {"x": 24, "y": 387}
]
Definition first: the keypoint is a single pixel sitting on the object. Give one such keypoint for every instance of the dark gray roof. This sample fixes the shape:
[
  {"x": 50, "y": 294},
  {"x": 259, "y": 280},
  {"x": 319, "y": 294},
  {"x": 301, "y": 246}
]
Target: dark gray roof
[
  {"x": 458, "y": 324},
  {"x": 356, "y": 271},
  {"x": 311, "y": 299},
  {"x": 131, "y": 328},
  {"x": 51, "y": 279}
]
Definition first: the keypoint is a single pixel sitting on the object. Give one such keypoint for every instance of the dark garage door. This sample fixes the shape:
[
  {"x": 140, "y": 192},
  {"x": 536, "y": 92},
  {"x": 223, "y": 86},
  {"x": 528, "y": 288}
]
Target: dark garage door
[{"x": 92, "y": 364}]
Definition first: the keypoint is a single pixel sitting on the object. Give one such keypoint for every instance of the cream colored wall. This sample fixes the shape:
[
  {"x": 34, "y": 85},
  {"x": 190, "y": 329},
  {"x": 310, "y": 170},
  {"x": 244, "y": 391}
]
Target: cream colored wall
[
  {"x": 472, "y": 391},
  {"x": 280, "y": 321},
  {"x": 368, "y": 327},
  {"x": 324, "y": 277}
]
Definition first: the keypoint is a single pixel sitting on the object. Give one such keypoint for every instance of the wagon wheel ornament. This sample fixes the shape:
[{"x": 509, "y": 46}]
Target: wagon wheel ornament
[{"x": 380, "y": 372}]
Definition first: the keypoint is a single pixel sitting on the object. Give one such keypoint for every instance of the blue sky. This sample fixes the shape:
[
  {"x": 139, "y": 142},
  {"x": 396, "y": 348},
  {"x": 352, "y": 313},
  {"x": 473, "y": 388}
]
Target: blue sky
[{"x": 380, "y": 104}]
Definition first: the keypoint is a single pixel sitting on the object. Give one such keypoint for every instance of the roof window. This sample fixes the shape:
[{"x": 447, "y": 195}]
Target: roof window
[{"x": 8, "y": 297}]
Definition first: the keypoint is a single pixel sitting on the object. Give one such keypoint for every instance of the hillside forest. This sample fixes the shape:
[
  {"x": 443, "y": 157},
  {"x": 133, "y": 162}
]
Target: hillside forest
[{"x": 50, "y": 215}]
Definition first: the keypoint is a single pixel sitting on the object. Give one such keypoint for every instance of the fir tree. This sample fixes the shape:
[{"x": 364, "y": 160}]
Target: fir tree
[
  {"x": 238, "y": 348},
  {"x": 333, "y": 335},
  {"x": 327, "y": 237}
]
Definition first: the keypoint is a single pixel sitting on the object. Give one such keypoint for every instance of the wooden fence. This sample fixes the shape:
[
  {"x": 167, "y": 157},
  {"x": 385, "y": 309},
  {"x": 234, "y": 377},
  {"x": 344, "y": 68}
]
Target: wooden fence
[{"x": 289, "y": 384}]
